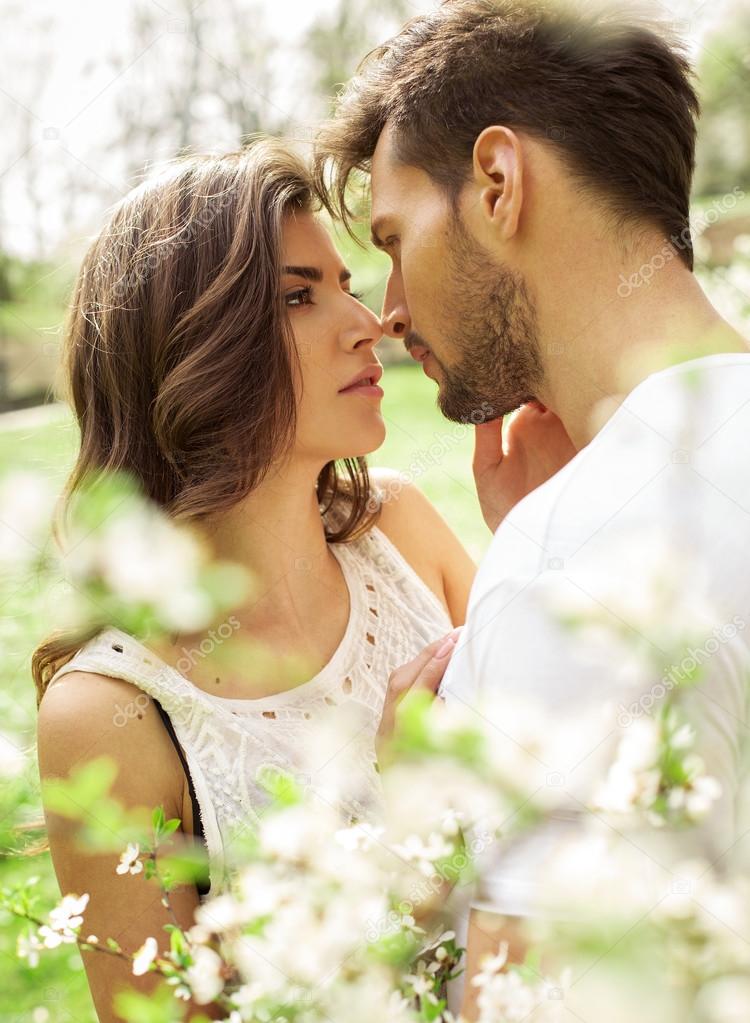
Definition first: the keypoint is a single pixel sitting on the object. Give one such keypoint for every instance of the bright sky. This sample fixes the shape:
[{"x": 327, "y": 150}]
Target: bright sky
[{"x": 58, "y": 84}]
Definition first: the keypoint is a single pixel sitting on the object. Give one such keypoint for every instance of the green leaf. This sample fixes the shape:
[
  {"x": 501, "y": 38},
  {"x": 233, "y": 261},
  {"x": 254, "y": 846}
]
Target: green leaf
[
  {"x": 176, "y": 940},
  {"x": 187, "y": 866},
  {"x": 171, "y": 825},
  {"x": 280, "y": 785},
  {"x": 396, "y": 949},
  {"x": 160, "y": 1006},
  {"x": 75, "y": 796},
  {"x": 225, "y": 583},
  {"x": 413, "y": 730}
]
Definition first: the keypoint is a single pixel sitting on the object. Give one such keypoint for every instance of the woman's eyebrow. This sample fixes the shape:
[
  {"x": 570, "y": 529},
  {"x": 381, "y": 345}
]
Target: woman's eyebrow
[{"x": 313, "y": 273}]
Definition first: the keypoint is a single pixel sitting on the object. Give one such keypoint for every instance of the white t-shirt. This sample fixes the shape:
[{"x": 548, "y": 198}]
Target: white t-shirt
[{"x": 646, "y": 533}]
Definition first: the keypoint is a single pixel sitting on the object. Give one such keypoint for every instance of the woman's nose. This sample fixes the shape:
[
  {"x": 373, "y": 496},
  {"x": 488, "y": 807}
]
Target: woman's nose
[{"x": 369, "y": 330}]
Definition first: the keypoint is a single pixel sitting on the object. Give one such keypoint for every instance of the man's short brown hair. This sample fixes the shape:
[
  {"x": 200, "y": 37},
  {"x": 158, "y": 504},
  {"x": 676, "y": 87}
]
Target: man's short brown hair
[{"x": 609, "y": 89}]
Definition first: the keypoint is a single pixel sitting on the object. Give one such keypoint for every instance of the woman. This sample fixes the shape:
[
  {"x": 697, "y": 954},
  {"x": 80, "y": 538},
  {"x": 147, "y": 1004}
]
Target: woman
[{"x": 216, "y": 352}]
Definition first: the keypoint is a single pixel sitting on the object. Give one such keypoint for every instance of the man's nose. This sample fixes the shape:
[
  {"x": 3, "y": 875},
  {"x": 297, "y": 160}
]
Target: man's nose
[
  {"x": 396, "y": 323},
  {"x": 395, "y": 316}
]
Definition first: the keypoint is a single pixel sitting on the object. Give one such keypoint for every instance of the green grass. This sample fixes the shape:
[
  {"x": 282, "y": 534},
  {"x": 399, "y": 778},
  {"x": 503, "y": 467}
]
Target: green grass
[
  {"x": 434, "y": 453},
  {"x": 30, "y": 320}
]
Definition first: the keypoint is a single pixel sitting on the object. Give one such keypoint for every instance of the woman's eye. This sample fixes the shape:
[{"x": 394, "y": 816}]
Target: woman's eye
[
  {"x": 300, "y": 297},
  {"x": 358, "y": 295}
]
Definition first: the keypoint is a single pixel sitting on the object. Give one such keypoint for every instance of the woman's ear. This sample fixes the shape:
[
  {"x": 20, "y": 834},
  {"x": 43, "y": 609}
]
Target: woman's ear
[{"x": 498, "y": 174}]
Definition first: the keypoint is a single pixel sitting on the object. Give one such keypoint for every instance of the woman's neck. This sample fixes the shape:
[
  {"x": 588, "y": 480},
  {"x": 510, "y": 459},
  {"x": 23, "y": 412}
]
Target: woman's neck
[
  {"x": 276, "y": 531},
  {"x": 297, "y": 606},
  {"x": 277, "y": 534}
]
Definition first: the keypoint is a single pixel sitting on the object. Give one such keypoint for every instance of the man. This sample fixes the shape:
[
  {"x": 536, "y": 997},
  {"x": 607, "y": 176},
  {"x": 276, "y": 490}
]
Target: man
[{"x": 530, "y": 172}]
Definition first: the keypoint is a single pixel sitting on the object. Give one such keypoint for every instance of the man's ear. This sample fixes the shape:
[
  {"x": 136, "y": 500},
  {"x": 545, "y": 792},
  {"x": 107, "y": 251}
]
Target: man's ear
[{"x": 498, "y": 173}]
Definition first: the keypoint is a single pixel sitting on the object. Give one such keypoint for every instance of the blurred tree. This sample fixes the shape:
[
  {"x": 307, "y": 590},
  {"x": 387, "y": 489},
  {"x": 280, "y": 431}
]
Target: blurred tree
[
  {"x": 207, "y": 82},
  {"x": 724, "y": 84},
  {"x": 339, "y": 39}
]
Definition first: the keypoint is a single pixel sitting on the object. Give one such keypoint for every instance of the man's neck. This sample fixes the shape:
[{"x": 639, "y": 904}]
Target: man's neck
[{"x": 608, "y": 344}]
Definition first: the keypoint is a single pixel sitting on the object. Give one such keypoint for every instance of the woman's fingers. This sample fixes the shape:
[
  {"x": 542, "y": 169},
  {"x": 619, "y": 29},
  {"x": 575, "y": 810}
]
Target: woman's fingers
[
  {"x": 431, "y": 674},
  {"x": 423, "y": 672}
]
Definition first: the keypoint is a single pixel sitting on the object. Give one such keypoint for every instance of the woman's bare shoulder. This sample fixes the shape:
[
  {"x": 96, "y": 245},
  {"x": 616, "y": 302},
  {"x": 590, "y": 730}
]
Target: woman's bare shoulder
[
  {"x": 83, "y": 715},
  {"x": 423, "y": 537}
]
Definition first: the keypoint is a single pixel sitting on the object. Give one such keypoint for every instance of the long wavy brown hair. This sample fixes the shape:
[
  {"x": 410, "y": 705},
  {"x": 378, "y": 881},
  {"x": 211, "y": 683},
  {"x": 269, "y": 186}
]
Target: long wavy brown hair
[{"x": 178, "y": 357}]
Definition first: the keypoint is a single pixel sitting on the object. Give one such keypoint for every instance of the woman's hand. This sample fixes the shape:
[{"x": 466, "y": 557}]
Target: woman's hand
[
  {"x": 536, "y": 447},
  {"x": 423, "y": 672}
]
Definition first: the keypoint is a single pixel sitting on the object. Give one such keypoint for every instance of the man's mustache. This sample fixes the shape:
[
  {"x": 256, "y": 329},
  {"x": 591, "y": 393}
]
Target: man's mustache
[{"x": 413, "y": 339}]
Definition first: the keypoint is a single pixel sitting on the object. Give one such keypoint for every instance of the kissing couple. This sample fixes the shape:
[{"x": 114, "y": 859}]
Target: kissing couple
[{"x": 521, "y": 160}]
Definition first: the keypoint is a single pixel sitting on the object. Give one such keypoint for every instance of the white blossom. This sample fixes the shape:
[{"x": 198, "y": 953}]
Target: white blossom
[
  {"x": 63, "y": 920},
  {"x": 205, "y": 975},
  {"x": 129, "y": 862},
  {"x": 144, "y": 558},
  {"x": 25, "y": 502},
  {"x": 145, "y": 956},
  {"x": 424, "y": 854},
  {"x": 28, "y": 947},
  {"x": 505, "y": 995}
]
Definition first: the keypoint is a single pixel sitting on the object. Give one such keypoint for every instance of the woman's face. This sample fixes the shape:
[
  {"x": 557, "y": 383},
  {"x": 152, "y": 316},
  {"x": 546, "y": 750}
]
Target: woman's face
[{"x": 335, "y": 336}]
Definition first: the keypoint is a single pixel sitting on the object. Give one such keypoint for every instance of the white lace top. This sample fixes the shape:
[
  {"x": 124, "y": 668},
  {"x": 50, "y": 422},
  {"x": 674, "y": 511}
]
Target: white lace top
[{"x": 226, "y": 742}]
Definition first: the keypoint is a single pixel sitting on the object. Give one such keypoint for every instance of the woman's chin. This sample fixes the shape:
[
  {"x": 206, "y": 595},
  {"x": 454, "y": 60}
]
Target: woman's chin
[{"x": 363, "y": 442}]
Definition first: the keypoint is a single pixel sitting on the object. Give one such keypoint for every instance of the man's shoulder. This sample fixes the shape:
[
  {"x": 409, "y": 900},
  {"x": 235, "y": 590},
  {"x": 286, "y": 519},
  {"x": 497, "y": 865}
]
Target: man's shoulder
[{"x": 668, "y": 456}]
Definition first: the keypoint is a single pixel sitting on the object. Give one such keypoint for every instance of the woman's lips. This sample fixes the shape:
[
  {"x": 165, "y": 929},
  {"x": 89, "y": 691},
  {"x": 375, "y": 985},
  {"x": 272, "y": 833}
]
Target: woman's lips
[{"x": 364, "y": 390}]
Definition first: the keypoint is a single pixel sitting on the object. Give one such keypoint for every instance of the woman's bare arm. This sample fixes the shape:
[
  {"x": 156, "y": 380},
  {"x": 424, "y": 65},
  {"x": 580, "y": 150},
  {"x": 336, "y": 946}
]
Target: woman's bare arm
[{"x": 76, "y": 724}]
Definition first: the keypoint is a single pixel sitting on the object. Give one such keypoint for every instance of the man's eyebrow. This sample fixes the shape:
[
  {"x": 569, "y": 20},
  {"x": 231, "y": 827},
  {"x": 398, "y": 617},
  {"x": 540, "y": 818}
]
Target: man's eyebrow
[{"x": 314, "y": 273}]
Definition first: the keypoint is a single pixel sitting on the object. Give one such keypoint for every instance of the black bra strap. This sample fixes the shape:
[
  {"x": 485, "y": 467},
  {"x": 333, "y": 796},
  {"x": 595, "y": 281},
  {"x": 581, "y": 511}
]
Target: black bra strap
[{"x": 197, "y": 822}]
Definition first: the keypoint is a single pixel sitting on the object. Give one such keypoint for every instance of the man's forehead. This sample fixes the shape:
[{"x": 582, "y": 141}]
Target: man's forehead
[
  {"x": 383, "y": 155},
  {"x": 392, "y": 184},
  {"x": 383, "y": 166},
  {"x": 382, "y": 171}
]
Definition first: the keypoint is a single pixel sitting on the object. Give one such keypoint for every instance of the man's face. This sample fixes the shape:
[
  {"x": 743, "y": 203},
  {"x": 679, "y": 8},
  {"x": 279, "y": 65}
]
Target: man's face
[{"x": 466, "y": 316}]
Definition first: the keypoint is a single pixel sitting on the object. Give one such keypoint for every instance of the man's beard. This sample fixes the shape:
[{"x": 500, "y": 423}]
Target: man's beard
[{"x": 495, "y": 362}]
